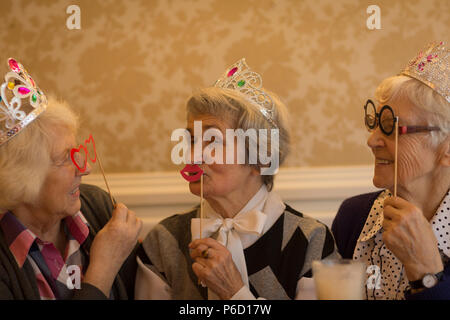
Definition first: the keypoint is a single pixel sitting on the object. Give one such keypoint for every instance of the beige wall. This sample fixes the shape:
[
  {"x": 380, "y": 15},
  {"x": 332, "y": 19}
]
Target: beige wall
[{"x": 130, "y": 68}]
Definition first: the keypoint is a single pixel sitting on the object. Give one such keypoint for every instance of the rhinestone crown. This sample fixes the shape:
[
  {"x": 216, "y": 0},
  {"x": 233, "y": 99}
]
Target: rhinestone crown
[
  {"x": 241, "y": 78},
  {"x": 432, "y": 67},
  {"x": 21, "y": 101}
]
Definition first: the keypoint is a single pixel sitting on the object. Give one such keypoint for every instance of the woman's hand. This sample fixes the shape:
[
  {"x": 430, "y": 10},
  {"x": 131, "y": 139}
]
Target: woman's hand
[
  {"x": 410, "y": 237},
  {"x": 111, "y": 246},
  {"x": 214, "y": 266}
]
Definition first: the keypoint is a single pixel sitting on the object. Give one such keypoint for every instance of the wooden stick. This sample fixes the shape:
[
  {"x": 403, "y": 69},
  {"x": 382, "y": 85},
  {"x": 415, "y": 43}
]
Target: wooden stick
[
  {"x": 201, "y": 205},
  {"x": 106, "y": 182},
  {"x": 396, "y": 154},
  {"x": 201, "y": 216}
]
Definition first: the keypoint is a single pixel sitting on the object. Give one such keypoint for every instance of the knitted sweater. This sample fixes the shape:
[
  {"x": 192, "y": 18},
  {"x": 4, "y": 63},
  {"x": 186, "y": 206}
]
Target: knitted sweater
[{"x": 20, "y": 283}]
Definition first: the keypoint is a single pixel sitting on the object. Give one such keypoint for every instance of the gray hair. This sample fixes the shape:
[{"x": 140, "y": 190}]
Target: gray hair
[
  {"x": 243, "y": 114},
  {"x": 25, "y": 160},
  {"x": 422, "y": 97}
]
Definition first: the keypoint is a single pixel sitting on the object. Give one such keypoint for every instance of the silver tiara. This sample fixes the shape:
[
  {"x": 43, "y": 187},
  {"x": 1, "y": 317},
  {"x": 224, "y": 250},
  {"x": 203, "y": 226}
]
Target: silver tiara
[
  {"x": 432, "y": 67},
  {"x": 240, "y": 78},
  {"x": 21, "y": 101}
]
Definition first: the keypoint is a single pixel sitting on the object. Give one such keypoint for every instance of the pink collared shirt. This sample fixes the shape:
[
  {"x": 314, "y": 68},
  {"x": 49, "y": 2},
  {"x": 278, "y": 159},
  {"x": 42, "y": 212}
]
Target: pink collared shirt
[{"x": 56, "y": 275}]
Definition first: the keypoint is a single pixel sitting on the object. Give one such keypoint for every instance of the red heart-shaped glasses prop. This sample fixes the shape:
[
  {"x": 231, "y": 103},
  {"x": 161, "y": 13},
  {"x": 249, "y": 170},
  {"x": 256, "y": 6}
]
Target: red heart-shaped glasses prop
[
  {"x": 91, "y": 139},
  {"x": 79, "y": 159}
]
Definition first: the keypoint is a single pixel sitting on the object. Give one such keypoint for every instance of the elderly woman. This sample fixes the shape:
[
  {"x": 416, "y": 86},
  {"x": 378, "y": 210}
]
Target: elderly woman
[
  {"x": 406, "y": 238},
  {"x": 49, "y": 248},
  {"x": 252, "y": 244}
]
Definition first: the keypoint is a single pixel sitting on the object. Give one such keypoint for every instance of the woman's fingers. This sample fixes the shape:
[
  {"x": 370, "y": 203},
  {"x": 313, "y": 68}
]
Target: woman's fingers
[
  {"x": 215, "y": 268},
  {"x": 394, "y": 208},
  {"x": 139, "y": 224},
  {"x": 131, "y": 216},
  {"x": 396, "y": 202},
  {"x": 199, "y": 270},
  {"x": 127, "y": 218},
  {"x": 203, "y": 252},
  {"x": 211, "y": 243},
  {"x": 387, "y": 224},
  {"x": 120, "y": 213},
  {"x": 389, "y": 213}
]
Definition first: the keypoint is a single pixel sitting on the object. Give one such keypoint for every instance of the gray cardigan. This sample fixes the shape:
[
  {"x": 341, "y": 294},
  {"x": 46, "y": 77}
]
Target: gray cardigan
[{"x": 20, "y": 283}]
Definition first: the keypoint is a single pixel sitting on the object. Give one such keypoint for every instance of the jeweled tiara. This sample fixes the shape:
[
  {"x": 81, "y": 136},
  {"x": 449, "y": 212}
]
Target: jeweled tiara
[
  {"x": 240, "y": 78},
  {"x": 431, "y": 66},
  {"x": 21, "y": 101}
]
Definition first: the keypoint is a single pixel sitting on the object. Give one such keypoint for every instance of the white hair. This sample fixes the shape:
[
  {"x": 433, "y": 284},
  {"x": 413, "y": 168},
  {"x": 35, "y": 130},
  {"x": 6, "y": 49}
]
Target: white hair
[
  {"x": 26, "y": 158},
  {"x": 422, "y": 97}
]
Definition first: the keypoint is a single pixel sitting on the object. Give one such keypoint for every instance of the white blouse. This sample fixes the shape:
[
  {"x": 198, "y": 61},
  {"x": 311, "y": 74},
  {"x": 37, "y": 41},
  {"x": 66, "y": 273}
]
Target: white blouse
[{"x": 386, "y": 278}]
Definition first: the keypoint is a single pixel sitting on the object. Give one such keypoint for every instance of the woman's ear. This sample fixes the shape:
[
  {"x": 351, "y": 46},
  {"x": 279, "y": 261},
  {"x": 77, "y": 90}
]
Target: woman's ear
[{"x": 445, "y": 153}]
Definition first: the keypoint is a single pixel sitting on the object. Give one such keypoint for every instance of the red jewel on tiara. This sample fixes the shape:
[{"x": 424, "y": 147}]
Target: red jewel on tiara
[
  {"x": 23, "y": 90},
  {"x": 232, "y": 71},
  {"x": 14, "y": 65}
]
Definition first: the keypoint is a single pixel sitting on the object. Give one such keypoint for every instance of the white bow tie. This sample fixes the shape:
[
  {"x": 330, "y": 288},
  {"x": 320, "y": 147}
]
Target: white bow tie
[{"x": 250, "y": 222}]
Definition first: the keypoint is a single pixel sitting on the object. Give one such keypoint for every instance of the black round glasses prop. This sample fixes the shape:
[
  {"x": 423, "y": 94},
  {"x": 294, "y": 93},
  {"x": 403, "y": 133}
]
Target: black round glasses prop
[{"x": 386, "y": 119}]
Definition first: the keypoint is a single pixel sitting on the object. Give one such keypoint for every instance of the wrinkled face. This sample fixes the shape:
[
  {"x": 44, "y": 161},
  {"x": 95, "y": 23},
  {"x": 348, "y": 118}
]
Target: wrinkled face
[
  {"x": 60, "y": 193},
  {"x": 224, "y": 179},
  {"x": 417, "y": 159}
]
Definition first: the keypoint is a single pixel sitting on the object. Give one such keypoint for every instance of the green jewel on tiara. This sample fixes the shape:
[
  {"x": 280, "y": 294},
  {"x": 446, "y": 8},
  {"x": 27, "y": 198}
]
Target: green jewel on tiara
[{"x": 239, "y": 77}]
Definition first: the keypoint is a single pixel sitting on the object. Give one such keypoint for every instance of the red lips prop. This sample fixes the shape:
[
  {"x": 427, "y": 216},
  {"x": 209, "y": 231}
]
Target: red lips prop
[
  {"x": 191, "y": 168},
  {"x": 80, "y": 155}
]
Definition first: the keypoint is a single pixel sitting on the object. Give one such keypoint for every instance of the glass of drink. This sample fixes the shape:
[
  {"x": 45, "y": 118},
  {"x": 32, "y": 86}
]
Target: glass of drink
[{"x": 339, "y": 279}]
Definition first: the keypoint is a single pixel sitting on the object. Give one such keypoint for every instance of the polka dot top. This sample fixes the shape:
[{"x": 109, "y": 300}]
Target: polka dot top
[{"x": 386, "y": 278}]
